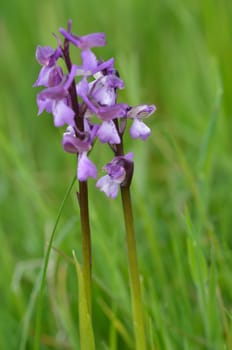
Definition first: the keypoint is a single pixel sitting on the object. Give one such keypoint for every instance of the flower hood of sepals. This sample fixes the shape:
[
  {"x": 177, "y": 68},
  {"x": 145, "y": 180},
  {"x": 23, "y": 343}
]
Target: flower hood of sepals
[
  {"x": 59, "y": 91},
  {"x": 104, "y": 89},
  {"x": 141, "y": 111},
  {"x": 55, "y": 100},
  {"x": 105, "y": 111},
  {"x": 138, "y": 128},
  {"x": 120, "y": 171},
  {"x": 47, "y": 57},
  {"x": 79, "y": 142},
  {"x": 85, "y": 168}
]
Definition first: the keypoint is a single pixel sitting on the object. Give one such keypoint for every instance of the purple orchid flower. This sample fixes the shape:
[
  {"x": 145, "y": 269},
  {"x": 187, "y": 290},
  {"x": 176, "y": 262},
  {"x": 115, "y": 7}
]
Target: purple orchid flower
[
  {"x": 120, "y": 172},
  {"x": 98, "y": 97},
  {"x": 138, "y": 128}
]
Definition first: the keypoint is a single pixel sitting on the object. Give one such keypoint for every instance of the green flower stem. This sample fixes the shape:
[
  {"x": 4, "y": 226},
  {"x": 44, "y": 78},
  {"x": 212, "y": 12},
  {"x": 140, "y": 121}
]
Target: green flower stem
[
  {"x": 137, "y": 308},
  {"x": 86, "y": 240}
]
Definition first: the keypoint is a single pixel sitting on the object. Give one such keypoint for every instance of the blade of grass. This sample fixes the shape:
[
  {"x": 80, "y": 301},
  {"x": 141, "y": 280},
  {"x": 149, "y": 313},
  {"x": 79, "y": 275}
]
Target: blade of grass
[
  {"x": 86, "y": 330},
  {"x": 44, "y": 269}
]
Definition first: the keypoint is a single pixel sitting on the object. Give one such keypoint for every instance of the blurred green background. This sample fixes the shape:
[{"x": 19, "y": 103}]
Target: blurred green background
[{"x": 176, "y": 54}]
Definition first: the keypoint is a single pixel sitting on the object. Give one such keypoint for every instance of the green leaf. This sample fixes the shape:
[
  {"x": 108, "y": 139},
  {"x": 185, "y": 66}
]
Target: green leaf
[{"x": 86, "y": 330}]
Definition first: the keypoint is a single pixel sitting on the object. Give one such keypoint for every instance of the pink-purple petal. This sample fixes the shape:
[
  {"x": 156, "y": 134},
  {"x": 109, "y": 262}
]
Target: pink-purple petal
[
  {"x": 62, "y": 113},
  {"x": 108, "y": 186},
  {"x": 107, "y": 133},
  {"x": 139, "y": 130},
  {"x": 86, "y": 41},
  {"x": 43, "y": 54},
  {"x": 85, "y": 168}
]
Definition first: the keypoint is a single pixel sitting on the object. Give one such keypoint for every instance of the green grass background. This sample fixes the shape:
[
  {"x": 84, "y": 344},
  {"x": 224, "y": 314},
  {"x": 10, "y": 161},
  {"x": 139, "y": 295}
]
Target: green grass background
[{"x": 176, "y": 54}]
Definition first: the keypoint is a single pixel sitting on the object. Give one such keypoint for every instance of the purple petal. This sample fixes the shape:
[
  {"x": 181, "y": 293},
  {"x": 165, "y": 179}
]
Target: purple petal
[
  {"x": 43, "y": 54},
  {"x": 139, "y": 129},
  {"x": 129, "y": 156},
  {"x": 89, "y": 61},
  {"x": 107, "y": 185},
  {"x": 71, "y": 76},
  {"x": 112, "y": 112},
  {"x": 82, "y": 90},
  {"x": 43, "y": 77},
  {"x": 54, "y": 93},
  {"x": 44, "y": 104},
  {"x": 62, "y": 114},
  {"x": 55, "y": 76},
  {"x": 85, "y": 168},
  {"x": 116, "y": 172},
  {"x": 69, "y": 143},
  {"x": 91, "y": 40},
  {"x": 86, "y": 41},
  {"x": 83, "y": 87},
  {"x": 75, "y": 144},
  {"x": 103, "y": 65},
  {"x": 107, "y": 132}
]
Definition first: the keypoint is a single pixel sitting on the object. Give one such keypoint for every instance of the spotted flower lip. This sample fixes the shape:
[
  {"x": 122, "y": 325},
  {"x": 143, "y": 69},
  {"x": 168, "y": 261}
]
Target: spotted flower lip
[{"x": 86, "y": 41}]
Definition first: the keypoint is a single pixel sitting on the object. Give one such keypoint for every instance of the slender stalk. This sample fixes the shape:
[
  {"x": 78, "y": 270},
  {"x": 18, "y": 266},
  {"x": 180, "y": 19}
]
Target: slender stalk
[
  {"x": 83, "y": 190},
  {"x": 86, "y": 239},
  {"x": 137, "y": 308}
]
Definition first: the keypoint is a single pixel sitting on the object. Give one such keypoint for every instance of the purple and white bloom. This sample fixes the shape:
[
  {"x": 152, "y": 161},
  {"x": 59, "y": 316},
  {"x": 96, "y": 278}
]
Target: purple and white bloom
[
  {"x": 120, "y": 172},
  {"x": 85, "y": 168},
  {"x": 75, "y": 104},
  {"x": 100, "y": 97},
  {"x": 104, "y": 89},
  {"x": 100, "y": 92},
  {"x": 138, "y": 128},
  {"x": 55, "y": 100}
]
